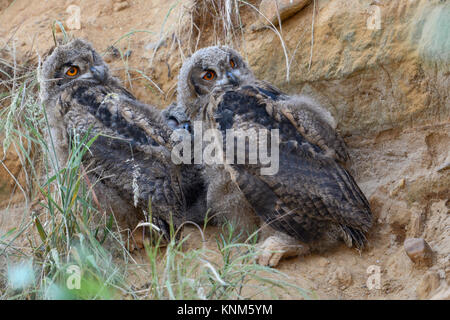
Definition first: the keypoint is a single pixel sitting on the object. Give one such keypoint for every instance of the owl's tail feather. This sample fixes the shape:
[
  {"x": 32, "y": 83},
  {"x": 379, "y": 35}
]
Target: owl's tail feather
[{"x": 354, "y": 237}]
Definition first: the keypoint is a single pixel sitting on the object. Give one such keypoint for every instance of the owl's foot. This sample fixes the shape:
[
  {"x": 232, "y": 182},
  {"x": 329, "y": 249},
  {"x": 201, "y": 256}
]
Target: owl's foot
[{"x": 274, "y": 248}]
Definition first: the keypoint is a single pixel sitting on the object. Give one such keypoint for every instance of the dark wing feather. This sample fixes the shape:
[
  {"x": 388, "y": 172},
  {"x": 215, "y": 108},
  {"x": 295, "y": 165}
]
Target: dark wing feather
[
  {"x": 305, "y": 117},
  {"x": 130, "y": 155},
  {"x": 310, "y": 190},
  {"x": 316, "y": 187},
  {"x": 270, "y": 90}
]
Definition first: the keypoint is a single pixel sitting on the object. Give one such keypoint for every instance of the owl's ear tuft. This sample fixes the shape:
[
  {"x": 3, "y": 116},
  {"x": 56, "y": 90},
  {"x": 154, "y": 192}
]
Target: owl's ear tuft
[
  {"x": 48, "y": 53},
  {"x": 97, "y": 59}
]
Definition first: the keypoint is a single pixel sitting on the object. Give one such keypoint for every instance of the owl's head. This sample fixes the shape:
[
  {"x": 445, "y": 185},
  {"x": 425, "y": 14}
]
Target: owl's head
[
  {"x": 74, "y": 61},
  {"x": 210, "y": 68}
]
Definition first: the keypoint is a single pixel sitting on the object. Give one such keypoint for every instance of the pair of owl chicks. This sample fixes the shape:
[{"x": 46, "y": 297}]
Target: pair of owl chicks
[{"x": 309, "y": 203}]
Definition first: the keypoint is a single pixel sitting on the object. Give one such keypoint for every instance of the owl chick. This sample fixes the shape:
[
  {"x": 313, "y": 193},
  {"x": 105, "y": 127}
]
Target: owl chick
[
  {"x": 217, "y": 200},
  {"x": 193, "y": 182},
  {"x": 311, "y": 201},
  {"x": 129, "y": 161}
]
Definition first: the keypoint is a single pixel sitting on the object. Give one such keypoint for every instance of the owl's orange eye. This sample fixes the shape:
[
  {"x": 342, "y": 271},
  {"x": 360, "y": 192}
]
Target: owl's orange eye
[
  {"x": 72, "y": 72},
  {"x": 209, "y": 75},
  {"x": 232, "y": 63}
]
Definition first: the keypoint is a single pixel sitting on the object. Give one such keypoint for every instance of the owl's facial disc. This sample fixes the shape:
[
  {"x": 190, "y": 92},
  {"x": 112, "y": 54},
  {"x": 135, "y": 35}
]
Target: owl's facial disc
[
  {"x": 81, "y": 66},
  {"x": 209, "y": 69},
  {"x": 225, "y": 72}
]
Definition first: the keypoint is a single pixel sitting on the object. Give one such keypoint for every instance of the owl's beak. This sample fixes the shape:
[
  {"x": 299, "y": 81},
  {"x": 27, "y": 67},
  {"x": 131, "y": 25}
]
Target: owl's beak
[
  {"x": 232, "y": 78},
  {"x": 99, "y": 73}
]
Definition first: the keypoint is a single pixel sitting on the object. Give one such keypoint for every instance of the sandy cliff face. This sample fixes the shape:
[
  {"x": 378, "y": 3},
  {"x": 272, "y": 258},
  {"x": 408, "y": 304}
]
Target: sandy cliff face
[{"x": 382, "y": 69}]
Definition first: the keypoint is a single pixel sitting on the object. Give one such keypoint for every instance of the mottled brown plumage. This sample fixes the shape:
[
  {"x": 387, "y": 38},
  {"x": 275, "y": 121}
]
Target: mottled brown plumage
[
  {"x": 194, "y": 184},
  {"x": 312, "y": 198},
  {"x": 215, "y": 194},
  {"x": 130, "y": 161}
]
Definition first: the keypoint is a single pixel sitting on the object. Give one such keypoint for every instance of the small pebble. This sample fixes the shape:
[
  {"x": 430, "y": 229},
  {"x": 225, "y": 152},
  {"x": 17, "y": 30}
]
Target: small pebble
[
  {"x": 119, "y": 6},
  {"x": 418, "y": 251}
]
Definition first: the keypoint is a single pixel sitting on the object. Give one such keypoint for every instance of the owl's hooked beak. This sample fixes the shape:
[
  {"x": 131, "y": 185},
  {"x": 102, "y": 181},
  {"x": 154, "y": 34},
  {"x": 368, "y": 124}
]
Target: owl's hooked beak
[
  {"x": 232, "y": 78},
  {"x": 99, "y": 73}
]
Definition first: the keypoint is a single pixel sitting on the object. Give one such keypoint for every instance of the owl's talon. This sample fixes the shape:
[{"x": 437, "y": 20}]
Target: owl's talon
[{"x": 274, "y": 248}]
